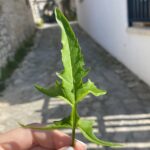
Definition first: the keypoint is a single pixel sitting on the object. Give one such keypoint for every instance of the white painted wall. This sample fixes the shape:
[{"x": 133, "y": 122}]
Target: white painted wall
[{"x": 106, "y": 21}]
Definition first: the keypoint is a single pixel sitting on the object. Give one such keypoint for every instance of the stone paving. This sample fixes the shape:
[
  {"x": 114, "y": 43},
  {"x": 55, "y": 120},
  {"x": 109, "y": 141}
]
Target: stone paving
[{"x": 123, "y": 115}]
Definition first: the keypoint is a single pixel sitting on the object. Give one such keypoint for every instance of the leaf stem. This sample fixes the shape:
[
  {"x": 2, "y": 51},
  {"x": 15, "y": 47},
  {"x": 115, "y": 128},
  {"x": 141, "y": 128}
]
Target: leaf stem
[{"x": 74, "y": 122}]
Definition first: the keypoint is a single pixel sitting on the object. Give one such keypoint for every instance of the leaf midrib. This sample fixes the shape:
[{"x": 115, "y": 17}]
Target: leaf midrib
[{"x": 72, "y": 71}]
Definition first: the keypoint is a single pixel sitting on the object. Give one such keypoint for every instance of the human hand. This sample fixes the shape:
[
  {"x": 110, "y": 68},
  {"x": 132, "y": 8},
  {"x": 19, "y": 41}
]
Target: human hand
[{"x": 28, "y": 139}]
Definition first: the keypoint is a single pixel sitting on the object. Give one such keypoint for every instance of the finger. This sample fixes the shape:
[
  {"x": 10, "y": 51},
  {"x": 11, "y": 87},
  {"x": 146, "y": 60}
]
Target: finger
[
  {"x": 51, "y": 139},
  {"x": 56, "y": 140},
  {"x": 59, "y": 139},
  {"x": 38, "y": 148},
  {"x": 18, "y": 139},
  {"x": 22, "y": 139}
]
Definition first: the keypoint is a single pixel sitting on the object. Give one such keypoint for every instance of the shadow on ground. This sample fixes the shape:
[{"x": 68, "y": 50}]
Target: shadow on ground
[{"x": 122, "y": 115}]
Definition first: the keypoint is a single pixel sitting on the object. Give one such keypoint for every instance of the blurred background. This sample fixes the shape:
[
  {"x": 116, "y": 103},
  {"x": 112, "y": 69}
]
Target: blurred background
[
  {"x": 44, "y": 10},
  {"x": 114, "y": 37}
]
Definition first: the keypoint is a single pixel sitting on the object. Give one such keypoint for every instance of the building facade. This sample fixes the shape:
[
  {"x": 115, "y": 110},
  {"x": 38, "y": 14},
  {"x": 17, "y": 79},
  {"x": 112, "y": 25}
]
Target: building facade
[{"x": 108, "y": 23}]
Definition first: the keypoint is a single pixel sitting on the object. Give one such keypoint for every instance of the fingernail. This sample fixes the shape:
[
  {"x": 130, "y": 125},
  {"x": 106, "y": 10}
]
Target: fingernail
[
  {"x": 82, "y": 144},
  {"x": 70, "y": 148},
  {"x": 65, "y": 148}
]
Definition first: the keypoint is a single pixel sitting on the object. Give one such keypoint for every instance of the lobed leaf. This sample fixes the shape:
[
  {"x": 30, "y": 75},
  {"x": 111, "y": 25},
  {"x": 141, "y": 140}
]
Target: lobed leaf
[
  {"x": 73, "y": 62},
  {"x": 72, "y": 89},
  {"x": 72, "y": 59},
  {"x": 53, "y": 91},
  {"x": 87, "y": 88},
  {"x": 86, "y": 127},
  {"x": 64, "y": 123}
]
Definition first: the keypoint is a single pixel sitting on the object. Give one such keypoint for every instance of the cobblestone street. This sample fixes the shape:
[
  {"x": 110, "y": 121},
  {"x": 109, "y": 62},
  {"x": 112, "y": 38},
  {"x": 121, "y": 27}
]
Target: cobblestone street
[{"x": 123, "y": 115}]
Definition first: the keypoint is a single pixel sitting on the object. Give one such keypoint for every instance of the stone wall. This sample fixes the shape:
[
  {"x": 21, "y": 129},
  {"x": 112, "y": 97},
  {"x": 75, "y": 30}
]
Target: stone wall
[{"x": 16, "y": 24}]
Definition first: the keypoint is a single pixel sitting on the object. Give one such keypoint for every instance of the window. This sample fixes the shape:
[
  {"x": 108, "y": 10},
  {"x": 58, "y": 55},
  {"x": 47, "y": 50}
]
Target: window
[{"x": 139, "y": 11}]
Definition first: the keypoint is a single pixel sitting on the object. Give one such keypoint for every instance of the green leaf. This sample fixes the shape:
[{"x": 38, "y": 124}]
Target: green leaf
[
  {"x": 72, "y": 59},
  {"x": 85, "y": 127},
  {"x": 87, "y": 88},
  {"x": 71, "y": 88},
  {"x": 64, "y": 123},
  {"x": 53, "y": 91}
]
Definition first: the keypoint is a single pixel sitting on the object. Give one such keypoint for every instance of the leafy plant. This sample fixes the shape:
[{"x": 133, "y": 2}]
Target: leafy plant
[{"x": 71, "y": 87}]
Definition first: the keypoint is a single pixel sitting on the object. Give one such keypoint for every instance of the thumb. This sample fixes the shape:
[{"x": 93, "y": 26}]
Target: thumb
[{"x": 66, "y": 148}]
